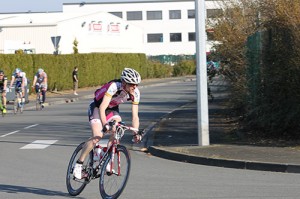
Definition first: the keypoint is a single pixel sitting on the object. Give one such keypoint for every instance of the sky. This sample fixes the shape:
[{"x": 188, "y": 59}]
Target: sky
[{"x": 10, "y": 6}]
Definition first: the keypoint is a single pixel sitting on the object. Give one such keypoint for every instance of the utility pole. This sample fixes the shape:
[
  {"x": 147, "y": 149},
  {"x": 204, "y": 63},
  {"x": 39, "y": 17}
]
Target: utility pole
[{"x": 202, "y": 100}]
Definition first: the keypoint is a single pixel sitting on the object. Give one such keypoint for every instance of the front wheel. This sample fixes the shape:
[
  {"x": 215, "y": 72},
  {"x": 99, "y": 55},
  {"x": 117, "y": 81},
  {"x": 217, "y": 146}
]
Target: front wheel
[
  {"x": 113, "y": 181},
  {"x": 74, "y": 185}
]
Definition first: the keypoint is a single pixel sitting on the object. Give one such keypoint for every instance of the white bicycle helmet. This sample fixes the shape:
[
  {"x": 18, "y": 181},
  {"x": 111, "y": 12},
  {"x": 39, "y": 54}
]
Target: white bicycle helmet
[
  {"x": 40, "y": 70},
  {"x": 130, "y": 76},
  {"x": 18, "y": 70}
]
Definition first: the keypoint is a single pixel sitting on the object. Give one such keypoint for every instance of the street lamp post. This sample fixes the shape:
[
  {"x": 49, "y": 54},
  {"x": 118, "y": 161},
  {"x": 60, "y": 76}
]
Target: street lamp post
[{"x": 202, "y": 100}]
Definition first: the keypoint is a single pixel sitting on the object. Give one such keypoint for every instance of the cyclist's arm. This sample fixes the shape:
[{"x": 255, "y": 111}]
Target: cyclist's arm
[
  {"x": 12, "y": 81},
  {"x": 5, "y": 84},
  {"x": 135, "y": 116},
  {"x": 34, "y": 81},
  {"x": 23, "y": 83}
]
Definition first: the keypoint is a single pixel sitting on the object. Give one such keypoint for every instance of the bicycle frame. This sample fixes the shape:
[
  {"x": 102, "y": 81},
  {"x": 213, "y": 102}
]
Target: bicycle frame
[
  {"x": 39, "y": 97},
  {"x": 120, "y": 131}
]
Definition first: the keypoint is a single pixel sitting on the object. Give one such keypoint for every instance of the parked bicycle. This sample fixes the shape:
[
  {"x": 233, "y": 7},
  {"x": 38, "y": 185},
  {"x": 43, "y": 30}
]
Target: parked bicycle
[
  {"x": 112, "y": 169},
  {"x": 18, "y": 104}
]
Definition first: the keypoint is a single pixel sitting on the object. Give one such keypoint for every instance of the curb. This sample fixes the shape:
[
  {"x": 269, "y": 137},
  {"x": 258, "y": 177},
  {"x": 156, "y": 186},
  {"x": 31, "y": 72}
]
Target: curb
[{"x": 235, "y": 164}]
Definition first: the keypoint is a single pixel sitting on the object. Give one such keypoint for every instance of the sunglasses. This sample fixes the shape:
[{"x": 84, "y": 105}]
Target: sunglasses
[{"x": 131, "y": 85}]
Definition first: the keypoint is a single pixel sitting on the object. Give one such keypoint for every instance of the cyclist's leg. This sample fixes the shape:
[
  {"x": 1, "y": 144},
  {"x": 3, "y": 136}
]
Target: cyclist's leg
[
  {"x": 96, "y": 126},
  {"x": 36, "y": 87},
  {"x": 1, "y": 100},
  {"x": 44, "y": 89},
  {"x": 4, "y": 98},
  {"x": 23, "y": 96},
  {"x": 112, "y": 114}
]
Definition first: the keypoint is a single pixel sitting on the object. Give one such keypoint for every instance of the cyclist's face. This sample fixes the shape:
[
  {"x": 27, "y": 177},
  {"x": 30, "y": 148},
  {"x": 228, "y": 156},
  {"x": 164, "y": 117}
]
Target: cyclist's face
[
  {"x": 130, "y": 88},
  {"x": 1, "y": 76}
]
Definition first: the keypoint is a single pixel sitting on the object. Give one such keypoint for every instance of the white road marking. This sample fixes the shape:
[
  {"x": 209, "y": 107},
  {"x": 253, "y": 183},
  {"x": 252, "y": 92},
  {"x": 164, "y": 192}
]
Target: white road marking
[
  {"x": 9, "y": 133},
  {"x": 28, "y": 127},
  {"x": 39, "y": 144}
]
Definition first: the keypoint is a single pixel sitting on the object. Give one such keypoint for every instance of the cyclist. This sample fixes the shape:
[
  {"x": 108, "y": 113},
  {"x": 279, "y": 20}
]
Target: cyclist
[
  {"x": 40, "y": 81},
  {"x": 3, "y": 85},
  {"x": 20, "y": 83},
  {"x": 105, "y": 108}
]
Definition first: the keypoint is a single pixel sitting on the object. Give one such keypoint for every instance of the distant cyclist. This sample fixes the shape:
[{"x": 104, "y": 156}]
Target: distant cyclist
[
  {"x": 3, "y": 86},
  {"x": 20, "y": 83},
  {"x": 40, "y": 80},
  {"x": 105, "y": 108}
]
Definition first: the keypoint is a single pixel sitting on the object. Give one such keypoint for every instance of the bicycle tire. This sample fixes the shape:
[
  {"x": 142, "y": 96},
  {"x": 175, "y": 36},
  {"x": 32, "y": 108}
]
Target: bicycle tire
[
  {"x": 112, "y": 185},
  {"x": 71, "y": 181},
  {"x": 21, "y": 108},
  {"x": 37, "y": 106},
  {"x": 16, "y": 105},
  {"x": 38, "y": 102}
]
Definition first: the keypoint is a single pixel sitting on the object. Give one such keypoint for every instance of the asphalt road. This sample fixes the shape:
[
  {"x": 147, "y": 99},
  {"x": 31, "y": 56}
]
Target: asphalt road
[{"x": 27, "y": 172}]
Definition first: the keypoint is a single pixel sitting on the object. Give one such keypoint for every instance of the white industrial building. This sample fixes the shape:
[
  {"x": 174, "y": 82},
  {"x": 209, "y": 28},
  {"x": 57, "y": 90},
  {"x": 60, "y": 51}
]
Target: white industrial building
[{"x": 153, "y": 27}]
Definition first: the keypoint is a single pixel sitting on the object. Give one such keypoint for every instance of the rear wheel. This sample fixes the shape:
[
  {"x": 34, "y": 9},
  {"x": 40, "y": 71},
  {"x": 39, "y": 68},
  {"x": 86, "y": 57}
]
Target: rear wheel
[
  {"x": 113, "y": 181},
  {"x": 16, "y": 105},
  {"x": 74, "y": 185}
]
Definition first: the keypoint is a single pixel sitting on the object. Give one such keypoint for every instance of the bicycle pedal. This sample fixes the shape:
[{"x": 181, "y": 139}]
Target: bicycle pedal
[{"x": 84, "y": 174}]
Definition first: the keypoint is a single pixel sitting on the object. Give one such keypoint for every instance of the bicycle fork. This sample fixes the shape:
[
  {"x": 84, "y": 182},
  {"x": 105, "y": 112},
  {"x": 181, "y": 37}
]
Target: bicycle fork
[{"x": 112, "y": 162}]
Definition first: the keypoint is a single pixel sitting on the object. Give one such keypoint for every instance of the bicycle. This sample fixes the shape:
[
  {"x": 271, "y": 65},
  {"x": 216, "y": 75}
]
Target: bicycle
[
  {"x": 39, "y": 100},
  {"x": 18, "y": 104},
  {"x": 113, "y": 167}
]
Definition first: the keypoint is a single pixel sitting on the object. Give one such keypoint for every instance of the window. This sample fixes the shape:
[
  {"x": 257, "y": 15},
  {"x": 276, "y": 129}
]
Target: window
[
  {"x": 214, "y": 13},
  {"x": 175, "y": 37},
  {"x": 118, "y": 14},
  {"x": 152, "y": 38},
  {"x": 191, "y": 14},
  {"x": 175, "y": 14},
  {"x": 192, "y": 36},
  {"x": 134, "y": 15},
  {"x": 154, "y": 15}
]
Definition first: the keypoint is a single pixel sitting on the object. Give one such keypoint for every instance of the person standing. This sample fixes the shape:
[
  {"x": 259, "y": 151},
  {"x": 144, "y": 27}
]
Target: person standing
[{"x": 75, "y": 80}]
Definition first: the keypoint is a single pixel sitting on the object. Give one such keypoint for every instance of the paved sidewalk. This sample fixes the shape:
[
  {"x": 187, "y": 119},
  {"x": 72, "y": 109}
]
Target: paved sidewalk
[{"x": 175, "y": 137}]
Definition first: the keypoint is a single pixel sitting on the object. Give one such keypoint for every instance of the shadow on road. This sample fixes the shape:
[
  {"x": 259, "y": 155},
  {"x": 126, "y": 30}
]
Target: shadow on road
[{"x": 14, "y": 189}]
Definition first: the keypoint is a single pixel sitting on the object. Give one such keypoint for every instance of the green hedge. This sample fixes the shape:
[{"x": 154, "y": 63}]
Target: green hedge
[{"x": 94, "y": 69}]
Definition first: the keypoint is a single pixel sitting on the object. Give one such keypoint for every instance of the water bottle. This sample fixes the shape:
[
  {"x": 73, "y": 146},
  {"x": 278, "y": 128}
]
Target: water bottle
[{"x": 97, "y": 154}]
